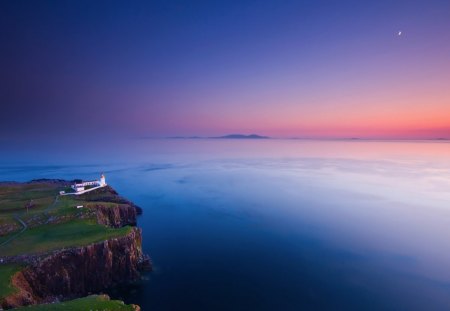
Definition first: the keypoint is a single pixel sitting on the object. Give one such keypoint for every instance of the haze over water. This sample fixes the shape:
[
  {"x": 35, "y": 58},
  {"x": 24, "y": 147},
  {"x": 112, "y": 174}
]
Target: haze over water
[{"x": 278, "y": 224}]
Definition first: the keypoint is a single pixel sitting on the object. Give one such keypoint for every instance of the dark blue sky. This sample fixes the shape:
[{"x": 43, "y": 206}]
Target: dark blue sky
[{"x": 209, "y": 67}]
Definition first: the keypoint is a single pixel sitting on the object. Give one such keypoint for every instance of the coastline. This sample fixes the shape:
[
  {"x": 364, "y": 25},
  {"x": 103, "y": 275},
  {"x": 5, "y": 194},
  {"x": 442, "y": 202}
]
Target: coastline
[{"x": 106, "y": 249}]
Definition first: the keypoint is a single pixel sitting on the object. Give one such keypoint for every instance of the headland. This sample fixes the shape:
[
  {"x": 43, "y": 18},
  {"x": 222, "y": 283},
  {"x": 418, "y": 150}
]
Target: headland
[{"x": 58, "y": 249}]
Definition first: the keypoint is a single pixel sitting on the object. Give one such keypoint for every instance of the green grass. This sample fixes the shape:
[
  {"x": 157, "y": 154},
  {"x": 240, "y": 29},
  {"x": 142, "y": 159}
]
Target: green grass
[
  {"x": 42, "y": 238},
  {"x": 5, "y": 220},
  {"x": 66, "y": 206},
  {"x": 5, "y": 237},
  {"x": 6, "y": 273},
  {"x": 55, "y": 236},
  {"x": 85, "y": 304},
  {"x": 15, "y": 197}
]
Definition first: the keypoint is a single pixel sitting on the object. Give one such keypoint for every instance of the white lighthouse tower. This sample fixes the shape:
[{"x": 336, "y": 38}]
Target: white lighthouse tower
[{"x": 102, "y": 180}]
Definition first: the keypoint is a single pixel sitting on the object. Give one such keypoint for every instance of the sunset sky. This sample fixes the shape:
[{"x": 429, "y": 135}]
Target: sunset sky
[{"x": 279, "y": 68}]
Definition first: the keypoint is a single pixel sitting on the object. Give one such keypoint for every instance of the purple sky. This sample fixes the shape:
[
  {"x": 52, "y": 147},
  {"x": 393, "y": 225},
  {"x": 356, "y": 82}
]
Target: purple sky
[{"x": 279, "y": 68}]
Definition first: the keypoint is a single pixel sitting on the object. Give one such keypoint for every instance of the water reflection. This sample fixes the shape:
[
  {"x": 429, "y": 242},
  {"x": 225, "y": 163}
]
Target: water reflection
[{"x": 283, "y": 224}]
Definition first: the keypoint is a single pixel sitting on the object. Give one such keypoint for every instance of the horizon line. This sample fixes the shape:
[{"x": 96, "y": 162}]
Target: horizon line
[{"x": 263, "y": 137}]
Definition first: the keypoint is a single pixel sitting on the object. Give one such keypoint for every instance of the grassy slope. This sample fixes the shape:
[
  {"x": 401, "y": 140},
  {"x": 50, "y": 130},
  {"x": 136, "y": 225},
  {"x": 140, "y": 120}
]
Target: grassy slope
[
  {"x": 74, "y": 232},
  {"x": 13, "y": 199},
  {"x": 87, "y": 303},
  {"x": 6, "y": 272},
  {"x": 55, "y": 236}
]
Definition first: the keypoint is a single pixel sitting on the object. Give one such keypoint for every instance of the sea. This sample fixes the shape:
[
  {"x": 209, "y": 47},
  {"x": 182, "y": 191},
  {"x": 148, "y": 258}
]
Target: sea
[{"x": 275, "y": 224}]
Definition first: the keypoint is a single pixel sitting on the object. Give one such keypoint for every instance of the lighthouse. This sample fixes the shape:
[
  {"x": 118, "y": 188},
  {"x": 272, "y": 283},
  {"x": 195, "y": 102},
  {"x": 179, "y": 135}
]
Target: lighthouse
[
  {"x": 87, "y": 186},
  {"x": 102, "y": 181}
]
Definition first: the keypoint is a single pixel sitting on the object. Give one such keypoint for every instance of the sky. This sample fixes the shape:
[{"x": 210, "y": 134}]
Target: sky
[{"x": 334, "y": 69}]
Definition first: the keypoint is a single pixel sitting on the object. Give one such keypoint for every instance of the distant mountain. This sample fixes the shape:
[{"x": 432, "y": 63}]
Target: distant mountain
[
  {"x": 231, "y": 136},
  {"x": 242, "y": 136}
]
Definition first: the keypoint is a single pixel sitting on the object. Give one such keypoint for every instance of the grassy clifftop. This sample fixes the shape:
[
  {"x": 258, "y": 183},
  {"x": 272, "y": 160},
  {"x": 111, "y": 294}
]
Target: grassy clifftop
[
  {"x": 36, "y": 221},
  {"x": 6, "y": 273},
  {"x": 62, "y": 235},
  {"x": 95, "y": 302}
]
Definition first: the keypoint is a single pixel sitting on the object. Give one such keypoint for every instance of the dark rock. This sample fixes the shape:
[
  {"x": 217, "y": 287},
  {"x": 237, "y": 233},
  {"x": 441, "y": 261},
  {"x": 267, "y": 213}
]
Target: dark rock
[
  {"x": 116, "y": 216},
  {"x": 77, "y": 272}
]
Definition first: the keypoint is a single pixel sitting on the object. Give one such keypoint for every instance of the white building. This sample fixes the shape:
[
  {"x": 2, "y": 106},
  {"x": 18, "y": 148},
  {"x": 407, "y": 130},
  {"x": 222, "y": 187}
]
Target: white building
[
  {"x": 81, "y": 187},
  {"x": 102, "y": 181}
]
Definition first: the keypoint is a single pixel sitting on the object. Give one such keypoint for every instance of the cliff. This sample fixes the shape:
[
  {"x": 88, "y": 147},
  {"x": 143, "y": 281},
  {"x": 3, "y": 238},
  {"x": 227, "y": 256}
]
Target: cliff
[
  {"x": 82, "y": 264},
  {"x": 80, "y": 271},
  {"x": 115, "y": 216},
  {"x": 108, "y": 194}
]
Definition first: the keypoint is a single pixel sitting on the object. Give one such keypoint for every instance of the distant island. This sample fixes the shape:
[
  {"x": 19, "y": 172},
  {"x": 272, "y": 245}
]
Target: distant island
[
  {"x": 64, "y": 240},
  {"x": 229, "y": 136},
  {"x": 242, "y": 136}
]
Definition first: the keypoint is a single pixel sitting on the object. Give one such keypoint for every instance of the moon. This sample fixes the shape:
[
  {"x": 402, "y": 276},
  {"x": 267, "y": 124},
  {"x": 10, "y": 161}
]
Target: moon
[{"x": 400, "y": 33}]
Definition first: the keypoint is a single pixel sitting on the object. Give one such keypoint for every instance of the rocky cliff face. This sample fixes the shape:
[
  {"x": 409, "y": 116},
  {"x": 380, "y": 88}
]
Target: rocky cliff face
[
  {"x": 108, "y": 194},
  {"x": 80, "y": 271},
  {"x": 116, "y": 216}
]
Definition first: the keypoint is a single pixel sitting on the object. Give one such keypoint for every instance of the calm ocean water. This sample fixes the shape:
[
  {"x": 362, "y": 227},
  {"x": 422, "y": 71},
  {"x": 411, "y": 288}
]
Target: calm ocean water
[{"x": 277, "y": 224}]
